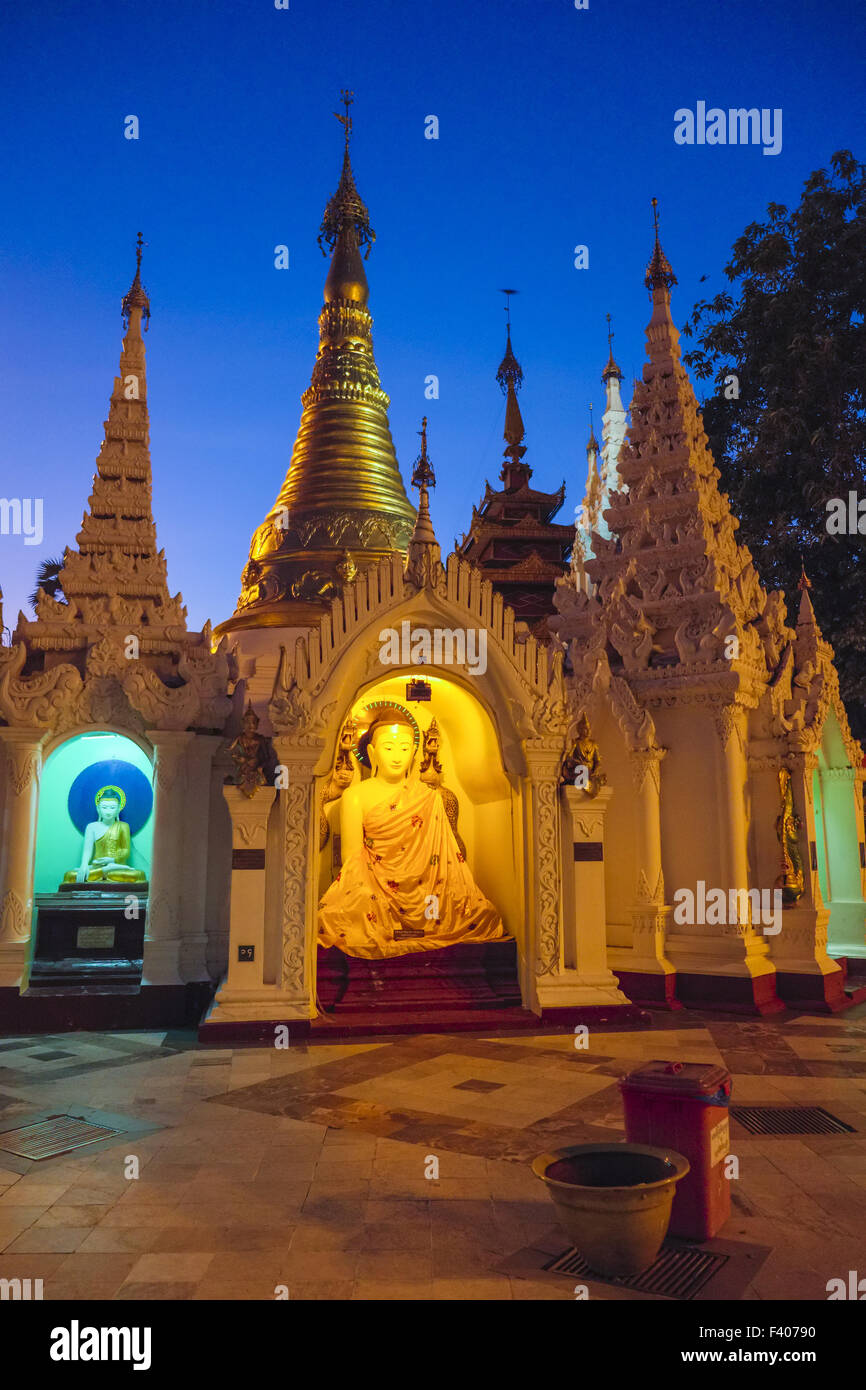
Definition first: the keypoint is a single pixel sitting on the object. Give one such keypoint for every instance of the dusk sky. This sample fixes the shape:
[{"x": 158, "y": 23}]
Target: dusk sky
[{"x": 556, "y": 129}]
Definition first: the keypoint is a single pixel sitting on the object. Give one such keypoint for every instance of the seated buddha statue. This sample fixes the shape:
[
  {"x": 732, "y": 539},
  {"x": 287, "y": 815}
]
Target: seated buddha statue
[
  {"x": 107, "y": 845},
  {"x": 404, "y": 885}
]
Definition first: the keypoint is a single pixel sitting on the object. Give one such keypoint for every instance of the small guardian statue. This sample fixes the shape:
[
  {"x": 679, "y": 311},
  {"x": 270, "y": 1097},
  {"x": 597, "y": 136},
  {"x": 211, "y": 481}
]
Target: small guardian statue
[
  {"x": 582, "y": 768},
  {"x": 249, "y": 753}
]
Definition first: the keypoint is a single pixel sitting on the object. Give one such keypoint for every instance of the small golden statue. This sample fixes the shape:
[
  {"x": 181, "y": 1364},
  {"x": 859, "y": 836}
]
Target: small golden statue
[
  {"x": 107, "y": 844},
  {"x": 347, "y": 570},
  {"x": 249, "y": 754},
  {"x": 582, "y": 768},
  {"x": 431, "y": 773},
  {"x": 341, "y": 777},
  {"x": 791, "y": 880}
]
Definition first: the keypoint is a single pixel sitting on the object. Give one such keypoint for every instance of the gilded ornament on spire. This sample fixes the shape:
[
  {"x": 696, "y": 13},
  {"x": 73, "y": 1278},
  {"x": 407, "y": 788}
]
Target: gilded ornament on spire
[
  {"x": 592, "y": 442},
  {"x": 659, "y": 273},
  {"x": 510, "y": 372},
  {"x": 346, "y": 208},
  {"x": 422, "y": 471},
  {"x": 424, "y": 560},
  {"x": 611, "y": 369},
  {"x": 136, "y": 295}
]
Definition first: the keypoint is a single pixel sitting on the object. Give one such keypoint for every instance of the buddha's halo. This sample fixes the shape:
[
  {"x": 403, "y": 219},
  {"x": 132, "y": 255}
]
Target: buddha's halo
[{"x": 385, "y": 712}]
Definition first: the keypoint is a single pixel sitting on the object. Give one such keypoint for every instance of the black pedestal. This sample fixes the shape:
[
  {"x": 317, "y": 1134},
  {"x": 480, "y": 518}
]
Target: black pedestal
[{"x": 84, "y": 938}]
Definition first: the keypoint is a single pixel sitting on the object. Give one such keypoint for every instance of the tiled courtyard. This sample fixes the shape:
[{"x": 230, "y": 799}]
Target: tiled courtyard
[{"x": 308, "y": 1167}]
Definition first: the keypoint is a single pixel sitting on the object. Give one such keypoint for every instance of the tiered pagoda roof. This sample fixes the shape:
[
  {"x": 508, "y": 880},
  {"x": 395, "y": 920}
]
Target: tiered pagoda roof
[{"x": 512, "y": 537}]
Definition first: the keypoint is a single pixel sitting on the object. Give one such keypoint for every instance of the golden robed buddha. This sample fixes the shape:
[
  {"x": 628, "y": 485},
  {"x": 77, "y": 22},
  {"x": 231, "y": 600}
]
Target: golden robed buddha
[
  {"x": 107, "y": 845},
  {"x": 404, "y": 885}
]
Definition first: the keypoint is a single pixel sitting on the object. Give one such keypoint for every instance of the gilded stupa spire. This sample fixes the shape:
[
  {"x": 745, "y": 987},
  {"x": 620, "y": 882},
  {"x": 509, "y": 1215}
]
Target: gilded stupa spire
[{"x": 343, "y": 490}]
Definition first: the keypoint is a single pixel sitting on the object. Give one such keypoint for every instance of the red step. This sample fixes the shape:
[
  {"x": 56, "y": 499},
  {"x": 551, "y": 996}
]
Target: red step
[{"x": 467, "y": 977}]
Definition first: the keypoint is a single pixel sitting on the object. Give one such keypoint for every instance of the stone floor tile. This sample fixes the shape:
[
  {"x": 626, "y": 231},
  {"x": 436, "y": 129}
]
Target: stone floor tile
[
  {"x": 381, "y": 1291},
  {"x": 496, "y": 1286},
  {"x": 48, "y": 1239},
  {"x": 152, "y": 1268},
  {"x": 164, "y": 1291}
]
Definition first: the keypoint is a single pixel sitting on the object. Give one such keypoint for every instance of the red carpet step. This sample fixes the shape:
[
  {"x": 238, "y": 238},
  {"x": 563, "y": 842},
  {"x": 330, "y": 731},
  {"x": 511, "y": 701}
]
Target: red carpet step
[{"x": 466, "y": 977}]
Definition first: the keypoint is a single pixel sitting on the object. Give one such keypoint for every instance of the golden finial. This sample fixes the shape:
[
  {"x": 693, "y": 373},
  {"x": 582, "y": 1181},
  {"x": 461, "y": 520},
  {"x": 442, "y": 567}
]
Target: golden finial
[
  {"x": 805, "y": 582},
  {"x": 422, "y": 473},
  {"x": 345, "y": 208},
  {"x": 659, "y": 273},
  {"x": 611, "y": 369},
  {"x": 509, "y": 372},
  {"x": 136, "y": 295},
  {"x": 346, "y": 97},
  {"x": 592, "y": 442}
]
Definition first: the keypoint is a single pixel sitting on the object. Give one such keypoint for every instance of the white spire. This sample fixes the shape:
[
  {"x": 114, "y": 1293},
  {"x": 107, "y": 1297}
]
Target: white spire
[
  {"x": 588, "y": 519},
  {"x": 613, "y": 428}
]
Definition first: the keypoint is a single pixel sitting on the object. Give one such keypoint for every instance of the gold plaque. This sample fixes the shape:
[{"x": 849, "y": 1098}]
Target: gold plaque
[{"x": 94, "y": 936}]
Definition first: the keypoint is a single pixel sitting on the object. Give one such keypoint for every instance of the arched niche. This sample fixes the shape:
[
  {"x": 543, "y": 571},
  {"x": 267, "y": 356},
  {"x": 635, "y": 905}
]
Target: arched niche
[
  {"x": 58, "y": 839},
  {"x": 472, "y": 767}
]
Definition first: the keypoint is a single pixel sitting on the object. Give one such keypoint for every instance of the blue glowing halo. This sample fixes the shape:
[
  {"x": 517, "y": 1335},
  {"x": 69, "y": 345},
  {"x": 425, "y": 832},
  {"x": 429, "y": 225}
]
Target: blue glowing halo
[{"x": 115, "y": 773}]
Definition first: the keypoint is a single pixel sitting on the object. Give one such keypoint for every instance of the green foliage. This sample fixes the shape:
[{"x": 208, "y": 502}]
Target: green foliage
[{"x": 792, "y": 330}]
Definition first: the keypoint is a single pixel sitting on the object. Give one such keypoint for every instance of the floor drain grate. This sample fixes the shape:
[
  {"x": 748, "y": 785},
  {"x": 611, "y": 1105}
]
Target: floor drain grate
[
  {"x": 680, "y": 1271},
  {"x": 56, "y": 1135},
  {"x": 789, "y": 1119}
]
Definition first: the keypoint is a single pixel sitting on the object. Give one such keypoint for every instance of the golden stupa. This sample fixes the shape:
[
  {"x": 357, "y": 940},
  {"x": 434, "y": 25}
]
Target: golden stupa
[{"x": 342, "y": 505}]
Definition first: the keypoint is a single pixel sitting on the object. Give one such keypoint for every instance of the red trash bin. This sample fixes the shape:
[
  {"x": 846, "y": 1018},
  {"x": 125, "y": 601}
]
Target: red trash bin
[{"x": 684, "y": 1106}]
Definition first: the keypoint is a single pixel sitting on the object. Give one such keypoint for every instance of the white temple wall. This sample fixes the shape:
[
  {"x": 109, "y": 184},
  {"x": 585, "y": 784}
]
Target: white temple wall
[
  {"x": 620, "y": 865},
  {"x": 693, "y": 836}
]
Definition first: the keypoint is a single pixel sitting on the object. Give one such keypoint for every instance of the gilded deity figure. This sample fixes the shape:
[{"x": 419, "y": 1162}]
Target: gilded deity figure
[
  {"x": 582, "y": 768},
  {"x": 404, "y": 885},
  {"x": 107, "y": 844},
  {"x": 791, "y": 880}
]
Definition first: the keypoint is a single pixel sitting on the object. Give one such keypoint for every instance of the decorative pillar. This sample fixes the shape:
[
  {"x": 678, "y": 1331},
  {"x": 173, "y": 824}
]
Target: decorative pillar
[
  {"x": 250, "y": 1002},
  {"x": 22, "y": 765},
  {"x": 247, "y": 923},
  {"x": 194, "y": 884},
  {"x": 647, "y": 973},
  {"x": 566, "y": 899},
  {"x": 585, "y": 979},
  {"x": 300, "y": 890},
  {"x": 162, "y": 938},
  {"x": 543, "y": 953}
]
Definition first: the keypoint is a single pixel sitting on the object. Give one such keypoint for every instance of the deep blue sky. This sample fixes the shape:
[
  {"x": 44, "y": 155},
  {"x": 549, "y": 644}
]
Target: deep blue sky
[{"x": 556, "y": 128}]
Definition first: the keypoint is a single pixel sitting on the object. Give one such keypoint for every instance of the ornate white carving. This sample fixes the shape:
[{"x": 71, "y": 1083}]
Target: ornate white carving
[
  {"x": 13, "y": 918},
  {"x": 295, "y": 869}
]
